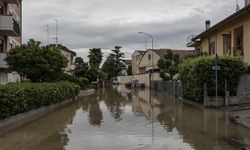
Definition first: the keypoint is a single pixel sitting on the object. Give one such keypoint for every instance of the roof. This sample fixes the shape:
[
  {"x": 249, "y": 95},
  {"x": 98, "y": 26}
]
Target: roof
[
  {"x": 127, "y": 62},
  {"x": 141, "y": 52},
  {"x": 242, "y": 11},
  {"x": 63, "y": 48},
  {"x": 181, "y": 53}
]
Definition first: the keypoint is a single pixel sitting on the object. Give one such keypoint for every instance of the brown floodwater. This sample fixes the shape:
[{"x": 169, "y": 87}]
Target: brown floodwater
[{"x": 119, "y": 119}]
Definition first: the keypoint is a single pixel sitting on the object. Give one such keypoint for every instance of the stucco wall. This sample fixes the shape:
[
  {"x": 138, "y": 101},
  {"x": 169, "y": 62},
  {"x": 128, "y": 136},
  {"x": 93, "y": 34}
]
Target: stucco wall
[
  {"x": 146, "y": 62},
  {"x": 217, "y": 37},
  {"x": 136, "y": 58},
  {"x": 142, "y": 78}
]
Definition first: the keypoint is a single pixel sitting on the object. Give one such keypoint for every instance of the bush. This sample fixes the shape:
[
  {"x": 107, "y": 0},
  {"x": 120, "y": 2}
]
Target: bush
[
  {"x": 84, "y": 81},
  {"x": 22, "y": 97},
  {"x": 194, "y": 72},
  {"x": 70, "y": 78}
]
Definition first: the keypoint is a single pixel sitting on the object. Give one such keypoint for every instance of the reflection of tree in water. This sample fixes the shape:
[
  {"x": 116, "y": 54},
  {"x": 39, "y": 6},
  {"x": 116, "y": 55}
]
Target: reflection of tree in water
[
  {"x": 95, "y": 113},
  {"x": 115, "y": 103}
]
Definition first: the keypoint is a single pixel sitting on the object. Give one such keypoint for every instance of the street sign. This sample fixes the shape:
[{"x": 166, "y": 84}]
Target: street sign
[{"x": 216, "y": 68}]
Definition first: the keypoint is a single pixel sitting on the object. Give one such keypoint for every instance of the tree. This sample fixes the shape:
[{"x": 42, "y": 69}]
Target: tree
[
  {"x": 113, "y": 64},
  {"x": 95, "y": 60},
  {"x": 36, "y": 63},
  {"x": 82, "y": 68},
  {"x": 169, "y": 65}
]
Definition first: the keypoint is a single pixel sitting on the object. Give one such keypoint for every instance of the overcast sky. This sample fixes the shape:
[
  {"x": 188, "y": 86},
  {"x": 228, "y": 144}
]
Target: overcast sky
[{"x": 85, "y": 24}]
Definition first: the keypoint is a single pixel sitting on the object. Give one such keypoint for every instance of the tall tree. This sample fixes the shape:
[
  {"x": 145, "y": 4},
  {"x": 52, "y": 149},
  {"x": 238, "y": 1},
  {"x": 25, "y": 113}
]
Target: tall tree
[
  {"x": 95, "y": 59},
  {"x": 35, "y": 62},
  {"x": 82, "y": 68},
  {"x": 169, "y": 65},
  {"x": 113, "y": 64}
]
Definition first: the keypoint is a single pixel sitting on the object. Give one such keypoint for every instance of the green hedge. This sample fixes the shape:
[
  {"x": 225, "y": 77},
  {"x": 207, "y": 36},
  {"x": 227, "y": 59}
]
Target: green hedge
[
  {"x": 70, "y": 78},
  {"x": 22, "y": 97},
  {"x": 194, "y": 72}
]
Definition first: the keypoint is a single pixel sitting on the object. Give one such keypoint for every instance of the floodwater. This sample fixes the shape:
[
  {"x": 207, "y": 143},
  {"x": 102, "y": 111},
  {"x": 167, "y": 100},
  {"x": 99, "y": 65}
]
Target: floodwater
[{"x": 118, "y": 119}]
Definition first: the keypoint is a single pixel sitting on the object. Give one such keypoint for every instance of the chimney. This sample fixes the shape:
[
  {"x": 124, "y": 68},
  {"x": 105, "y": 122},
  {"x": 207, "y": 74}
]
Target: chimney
[
  {"x": 208, "y": 23},
  {"x": 247, "y": 2}
]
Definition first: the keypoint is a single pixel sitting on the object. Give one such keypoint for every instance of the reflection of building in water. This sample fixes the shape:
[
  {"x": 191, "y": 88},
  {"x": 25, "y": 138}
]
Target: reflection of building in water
[
  {"x": 195, "y": 125},
  {"x": 143, "y": 105},
  {"x": 123, "y": 91}
]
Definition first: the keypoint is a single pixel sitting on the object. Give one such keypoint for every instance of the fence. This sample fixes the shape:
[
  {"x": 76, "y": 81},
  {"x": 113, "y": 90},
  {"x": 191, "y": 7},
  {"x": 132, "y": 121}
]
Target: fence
[
  {"x": 170, "y": 87},
  {"x": 244, "y": 84}
]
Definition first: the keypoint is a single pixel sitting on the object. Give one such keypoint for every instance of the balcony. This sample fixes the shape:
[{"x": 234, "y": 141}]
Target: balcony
[
  {"x": 191, "y": 42},
  {"x": 3, "y": 63},
  {"x": 9, "y": 27},
  {"x": 12, "y": 1}
]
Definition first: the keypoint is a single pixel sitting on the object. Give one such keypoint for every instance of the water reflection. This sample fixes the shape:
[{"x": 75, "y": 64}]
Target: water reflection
[{"x": 119, "y": 118}]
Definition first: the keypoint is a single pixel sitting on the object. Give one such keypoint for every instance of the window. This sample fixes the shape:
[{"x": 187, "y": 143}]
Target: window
[
  {"x": 238, "y": 40},
  {"x": 1, "y": 9},
  {"x": 1, "y": 46},
  {"x": 149, "y": 57},
  {"x": 211, "y": 49}
]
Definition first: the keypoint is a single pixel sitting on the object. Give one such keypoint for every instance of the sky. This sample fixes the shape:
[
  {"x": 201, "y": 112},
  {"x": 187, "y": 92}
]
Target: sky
[{"x": 84, "y": 24}]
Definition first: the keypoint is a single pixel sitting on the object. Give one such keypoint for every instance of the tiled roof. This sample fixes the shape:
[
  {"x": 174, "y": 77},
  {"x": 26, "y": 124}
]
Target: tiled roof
[{"x": 127, "y": 62}]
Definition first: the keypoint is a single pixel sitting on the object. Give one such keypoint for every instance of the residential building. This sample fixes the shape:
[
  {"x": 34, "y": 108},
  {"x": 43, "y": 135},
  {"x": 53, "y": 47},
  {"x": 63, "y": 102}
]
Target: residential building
[
  {"x": 148, "y": 60},
  {"x": 136, "y": 58},
  {"x": 70, "y": 55},
  {"x": 231, "y": 36},
  {"x": 10, "y": 35},
  {"x": 127, "y": 63}
]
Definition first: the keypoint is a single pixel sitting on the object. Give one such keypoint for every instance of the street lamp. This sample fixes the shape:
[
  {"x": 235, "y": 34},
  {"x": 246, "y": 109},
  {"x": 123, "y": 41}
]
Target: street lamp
[{"x": 152, "y": 38}]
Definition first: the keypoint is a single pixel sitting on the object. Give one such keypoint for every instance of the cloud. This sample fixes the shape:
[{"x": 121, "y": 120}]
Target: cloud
[{"x": 106, "y": 23}]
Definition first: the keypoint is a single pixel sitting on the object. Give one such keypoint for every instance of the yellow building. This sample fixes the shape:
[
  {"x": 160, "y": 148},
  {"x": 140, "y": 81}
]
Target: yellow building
[
  {"x": 230, "y": 36},
  {"x": 136, "y": 58},
  {"x": 144, "y": 61}
]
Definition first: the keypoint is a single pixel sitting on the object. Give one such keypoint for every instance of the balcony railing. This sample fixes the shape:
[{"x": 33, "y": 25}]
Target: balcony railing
[
  {"x": 3, "y": 63},
  {"x": 12, "y": 1},
  {"x": 9, "y": 27}
]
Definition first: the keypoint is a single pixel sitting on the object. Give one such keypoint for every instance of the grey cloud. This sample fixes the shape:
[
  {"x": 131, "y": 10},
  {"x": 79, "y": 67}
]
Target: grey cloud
[{"x": 93, "y": 23}]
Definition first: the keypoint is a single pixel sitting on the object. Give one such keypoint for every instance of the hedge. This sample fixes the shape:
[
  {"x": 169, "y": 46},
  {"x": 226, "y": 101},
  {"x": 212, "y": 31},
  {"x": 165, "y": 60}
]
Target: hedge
[
  {"x": 70, "y": 78},
  {"x": 22, "y": 97},
  {"x": 194, "y": 72}
]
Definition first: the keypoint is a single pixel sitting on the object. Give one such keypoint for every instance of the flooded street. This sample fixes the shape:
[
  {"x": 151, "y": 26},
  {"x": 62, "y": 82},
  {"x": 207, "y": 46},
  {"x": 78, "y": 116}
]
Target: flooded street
[{"x": 118, "y": 119}]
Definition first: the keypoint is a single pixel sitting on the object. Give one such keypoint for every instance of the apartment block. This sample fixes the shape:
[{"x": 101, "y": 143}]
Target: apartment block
[{"x": 10, "y": 35}]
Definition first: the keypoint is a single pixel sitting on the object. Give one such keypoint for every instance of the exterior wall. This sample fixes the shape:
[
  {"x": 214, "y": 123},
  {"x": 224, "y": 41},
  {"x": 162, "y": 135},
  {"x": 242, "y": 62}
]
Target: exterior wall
[
  {"x": 10, "y": 42},
  {"x": 217, "y": 37},
  {"x": 9, "y": 77},
  {"x": 142, "y": 78},
  {"x": 148, "y": 59},
  {"x": 69, "y": 58},
  {"x": 136, "y": 58}
]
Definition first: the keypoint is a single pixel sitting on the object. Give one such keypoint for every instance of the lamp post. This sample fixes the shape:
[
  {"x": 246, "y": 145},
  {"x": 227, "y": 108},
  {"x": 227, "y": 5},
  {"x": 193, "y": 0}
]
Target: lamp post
[{"x": 152, "y": 38}]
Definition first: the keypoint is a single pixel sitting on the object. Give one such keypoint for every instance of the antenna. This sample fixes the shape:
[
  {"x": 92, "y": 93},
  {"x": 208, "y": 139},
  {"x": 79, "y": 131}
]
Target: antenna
[
  {"x": 56, "y": 32},
  {"x": 47, "y": 34},
  {"x": 237, "y": 5}
]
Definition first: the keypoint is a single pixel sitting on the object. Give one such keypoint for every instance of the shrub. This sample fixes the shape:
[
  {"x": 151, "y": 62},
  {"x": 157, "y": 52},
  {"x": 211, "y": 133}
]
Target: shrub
[
  {"x": 84, "y": 81},
  {"x": 194, "y": 72},
  {"x": 70, "y": 78},
  {"x": 22, "y": 97}
]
